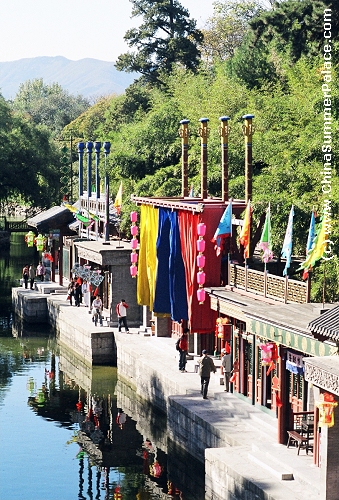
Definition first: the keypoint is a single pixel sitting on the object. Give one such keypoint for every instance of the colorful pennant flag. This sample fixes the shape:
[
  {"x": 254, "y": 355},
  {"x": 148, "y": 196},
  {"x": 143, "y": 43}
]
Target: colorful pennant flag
[
  {"x": 118, "y": 200},
  {"x": 319, "y": 246},
  {"x": 224, "y": 229},
  {"x": 286, "y": 251},
  {"x": 245, "y": 234},
  {"x": 265, "y": 241},
  {"x": 310, "y": 241}
]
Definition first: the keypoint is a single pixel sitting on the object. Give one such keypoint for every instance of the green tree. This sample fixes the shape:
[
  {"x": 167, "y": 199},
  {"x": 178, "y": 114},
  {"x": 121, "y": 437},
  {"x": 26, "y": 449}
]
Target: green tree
[
  {"x": 166, "y": 37},
  {"x": 226, "y": 29},
  {"x": 297, "y": 25},
  {"x": 48, "y": 105}
]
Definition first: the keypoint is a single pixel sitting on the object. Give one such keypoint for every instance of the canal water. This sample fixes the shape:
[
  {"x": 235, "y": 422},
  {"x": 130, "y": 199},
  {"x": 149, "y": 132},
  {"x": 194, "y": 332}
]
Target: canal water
[{"x": 71, "y": 432}]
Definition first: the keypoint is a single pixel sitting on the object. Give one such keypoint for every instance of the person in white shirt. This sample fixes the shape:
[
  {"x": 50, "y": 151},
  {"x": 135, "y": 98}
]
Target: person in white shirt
[
  {"x": 86, "y": 293},
  {"x": 121, "y": 310},
  {"x": 96, "y": 310}
]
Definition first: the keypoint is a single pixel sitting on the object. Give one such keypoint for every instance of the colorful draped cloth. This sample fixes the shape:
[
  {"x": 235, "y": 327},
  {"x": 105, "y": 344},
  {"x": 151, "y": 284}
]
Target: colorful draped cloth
[
  {"x": 147, "y": 268},
  {"x": 170, "y": 293}
]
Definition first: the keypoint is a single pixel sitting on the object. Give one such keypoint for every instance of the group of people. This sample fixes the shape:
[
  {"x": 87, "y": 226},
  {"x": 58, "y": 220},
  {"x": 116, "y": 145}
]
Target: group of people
[
  {"x": 29, "y": 273},
  {"x": 205, "y": 364},
  {"x": 81, "y": 291}
]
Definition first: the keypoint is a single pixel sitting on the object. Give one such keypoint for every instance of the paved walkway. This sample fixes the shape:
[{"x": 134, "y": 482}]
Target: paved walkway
[{"x": 262, "y": 460}]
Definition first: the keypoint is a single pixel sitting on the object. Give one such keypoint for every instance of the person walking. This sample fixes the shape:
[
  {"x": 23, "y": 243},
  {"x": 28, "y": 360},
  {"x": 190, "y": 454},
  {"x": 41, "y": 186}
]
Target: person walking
[
  {"x": 86, "y": 293},
  {"x": 77, "y": 294},
  {"x": 40, "y": 271},
  {"x": 25, "y": 276},
  {"x": 121, "y": 310},
  {"x": 31, "y": 275},
  {"x": 96, "y": 310},
  {"x": 183, "y": 350},
  {"x": 70, "y": 291},
  {"x": 206, "y": 366},
  {"x": 227, "y": 368}
]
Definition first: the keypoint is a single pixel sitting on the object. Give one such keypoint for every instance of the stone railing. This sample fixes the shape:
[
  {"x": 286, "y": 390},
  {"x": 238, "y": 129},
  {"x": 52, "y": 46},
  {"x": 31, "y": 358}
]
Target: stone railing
[{"x": 268, "y": 285}]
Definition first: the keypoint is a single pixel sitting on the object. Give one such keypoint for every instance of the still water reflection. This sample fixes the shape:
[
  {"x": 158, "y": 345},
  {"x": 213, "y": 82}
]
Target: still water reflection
[{"x": 68, "y": 431}]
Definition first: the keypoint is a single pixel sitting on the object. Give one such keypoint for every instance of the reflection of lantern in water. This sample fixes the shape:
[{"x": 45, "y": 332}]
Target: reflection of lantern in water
[
  {"x": 156, "y": 469},
  {"x": 326, "y": 406},
  {"x": 29, "y": 238},
  {"x": 117, "y": 493}
]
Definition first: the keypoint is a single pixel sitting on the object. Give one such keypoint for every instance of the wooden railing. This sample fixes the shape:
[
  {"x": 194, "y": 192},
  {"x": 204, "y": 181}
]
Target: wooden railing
[{"x": 268, "y": 285}]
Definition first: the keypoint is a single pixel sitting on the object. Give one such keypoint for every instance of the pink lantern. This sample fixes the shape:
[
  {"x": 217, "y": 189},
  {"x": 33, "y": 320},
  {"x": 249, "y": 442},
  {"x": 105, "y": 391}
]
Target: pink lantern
[
  {"x": 134, "y": 216},
  {"x": 133, "y": 270},
  {"x": 134, "y": 243},
  {"x": 201, "y": 229},
  {"x": 201, "y": 245},
  {"x": 134, "y": 257},
  {"x": 201, "y": 259},
  {"x": 134, "y": 230},
  {"x": 201, "y": 295},
  {"x": 201, "y": 277}
]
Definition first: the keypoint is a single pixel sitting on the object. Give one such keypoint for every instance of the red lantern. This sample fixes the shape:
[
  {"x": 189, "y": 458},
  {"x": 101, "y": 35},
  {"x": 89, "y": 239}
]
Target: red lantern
[{"x": 326, "y": 406}]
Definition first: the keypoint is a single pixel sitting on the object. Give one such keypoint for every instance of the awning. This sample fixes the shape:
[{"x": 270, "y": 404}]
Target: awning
[
  {"x": 327, "y": 324},
  {"x": 323, "y": 372},
  {"x": 53, "y": 218}
]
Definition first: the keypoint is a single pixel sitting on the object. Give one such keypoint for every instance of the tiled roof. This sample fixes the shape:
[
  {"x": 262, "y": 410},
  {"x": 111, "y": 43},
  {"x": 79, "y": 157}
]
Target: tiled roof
[{"x": 327, "y": 324}]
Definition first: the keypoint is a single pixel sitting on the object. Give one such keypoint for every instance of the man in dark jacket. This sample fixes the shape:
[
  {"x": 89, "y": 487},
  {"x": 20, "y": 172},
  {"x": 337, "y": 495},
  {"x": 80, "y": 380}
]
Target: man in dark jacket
[
  {"x": 206, "y": 366},
  {"x": 183, "y": 350}
]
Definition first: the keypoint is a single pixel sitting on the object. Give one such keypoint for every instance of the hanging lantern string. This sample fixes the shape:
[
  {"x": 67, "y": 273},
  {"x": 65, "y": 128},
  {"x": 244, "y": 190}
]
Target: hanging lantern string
[
  {"x": 201, "y": 260},
  {"x": 134, "y": 245}
]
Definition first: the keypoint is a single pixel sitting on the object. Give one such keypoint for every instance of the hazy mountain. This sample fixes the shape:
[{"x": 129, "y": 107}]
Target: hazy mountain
[{"x": 88, "y": 77}]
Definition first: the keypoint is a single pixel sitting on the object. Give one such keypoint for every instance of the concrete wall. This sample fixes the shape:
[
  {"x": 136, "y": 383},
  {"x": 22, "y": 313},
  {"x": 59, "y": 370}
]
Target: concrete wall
[{"x": 29, "y": 306}]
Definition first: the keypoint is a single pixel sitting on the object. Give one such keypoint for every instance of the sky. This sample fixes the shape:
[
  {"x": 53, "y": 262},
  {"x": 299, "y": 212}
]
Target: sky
[{"x": 75, "y": 29}]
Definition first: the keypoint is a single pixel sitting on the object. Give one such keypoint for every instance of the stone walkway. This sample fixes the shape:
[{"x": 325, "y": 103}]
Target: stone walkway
[{"x": 251, "y": 434}]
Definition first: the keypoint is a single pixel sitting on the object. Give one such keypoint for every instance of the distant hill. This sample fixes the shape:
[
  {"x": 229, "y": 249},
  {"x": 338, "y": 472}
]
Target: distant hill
[{"x": 89, "y": 77}]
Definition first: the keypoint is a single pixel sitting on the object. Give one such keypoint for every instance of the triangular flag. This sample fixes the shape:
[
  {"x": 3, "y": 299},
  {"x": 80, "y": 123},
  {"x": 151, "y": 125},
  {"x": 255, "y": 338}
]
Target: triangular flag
[
  {"x": 265, "y": 241},
  {"x": 286, "y": 251},
  {"x": 118, "y": 200},
  {"x": 310, "y": 241},
  {"x": 319, "y": 246},
  {"x": 224, "y": 229},
  {"x": 246, "y": 231}
]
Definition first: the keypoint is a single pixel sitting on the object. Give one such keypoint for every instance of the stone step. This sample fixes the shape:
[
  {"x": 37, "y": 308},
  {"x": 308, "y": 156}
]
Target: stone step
[{"x": 280, "y": 472}]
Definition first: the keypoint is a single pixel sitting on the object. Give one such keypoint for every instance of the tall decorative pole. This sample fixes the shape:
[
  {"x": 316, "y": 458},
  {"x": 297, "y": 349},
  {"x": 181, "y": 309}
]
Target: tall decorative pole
[
  {"x": 224, "y": 131},
  {"x": 81, "y": 147},
  {"x": 97, "y": 146},
  {"x": 107, "y": 148},
  {"x": 203, "y": 132},
  {"x": 248, "y": 131},
  {"x": 183, "y": 132},
  {"x": 89, "y": 146}
]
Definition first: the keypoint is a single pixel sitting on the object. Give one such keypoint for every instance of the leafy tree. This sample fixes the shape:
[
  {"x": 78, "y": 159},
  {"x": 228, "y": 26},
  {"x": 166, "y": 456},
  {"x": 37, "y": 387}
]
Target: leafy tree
[
  {"x": 29, "y": 162},
  {"x": 296, "y": 24},
  {"x": 166, "y": 37},
  {"x": 226, "y": 29},
  {"x": 48, "y": 105}
]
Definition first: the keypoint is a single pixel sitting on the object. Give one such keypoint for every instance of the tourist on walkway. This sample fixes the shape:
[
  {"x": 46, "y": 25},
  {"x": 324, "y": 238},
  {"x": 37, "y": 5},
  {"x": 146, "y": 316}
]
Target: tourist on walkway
[
  {"x": 77, "y": 294},
  {"x": 40, "y": 271},
  {"x": 86, "y": 293},
  {"x": 183, "y": 350},
  {"x": 227, "y": 367},
  {"x": 70, "y": 291},
  {"x": 25, "y": 276},
  {"x": 206, "y": 366},
  {"x": 96, "y": 310},
  {"x": 121, "y": 310},
  {"x": 31, "y": 275}
]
